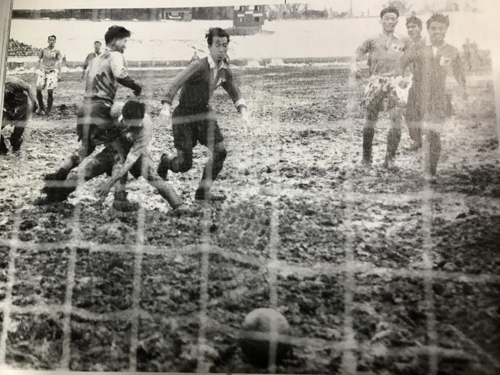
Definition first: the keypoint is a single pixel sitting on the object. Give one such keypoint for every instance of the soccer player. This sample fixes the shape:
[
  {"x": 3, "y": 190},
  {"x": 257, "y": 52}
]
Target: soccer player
[
  {"x": 49, "y": 71},
  {"x": 414, "y": 110},
  {"x": 19, "y": 103},
  {"x": 193, "y": 120},
  {"x": 91, "y": 56},
  {"x": 94, "y": 121},
  {"x": 436, "y": 58},
  {"x": 384, "y": 52},
  {"x": 467, "y": 53},
  {"x": 135, "y": 134}
]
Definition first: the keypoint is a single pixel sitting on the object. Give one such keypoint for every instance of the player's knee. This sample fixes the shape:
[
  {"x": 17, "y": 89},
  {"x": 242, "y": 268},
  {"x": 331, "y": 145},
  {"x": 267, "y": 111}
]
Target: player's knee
[
  {"x": 371, "y": 115},
  {"x": 185, "y": 163},
  {"x": 434, "y": 138}
]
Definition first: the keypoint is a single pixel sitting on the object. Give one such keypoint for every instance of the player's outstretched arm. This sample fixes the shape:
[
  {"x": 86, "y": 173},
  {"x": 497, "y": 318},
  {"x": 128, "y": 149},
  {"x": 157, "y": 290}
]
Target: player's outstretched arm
[
  {"x": 59, "y": 64},
  {"x": 360, "y": 53},
  {"x": 174, "y": 86},
  {"x": 180, "y": 79},
  {"x": 105, "y": 187},
  {"x": 129, "y": 82}
]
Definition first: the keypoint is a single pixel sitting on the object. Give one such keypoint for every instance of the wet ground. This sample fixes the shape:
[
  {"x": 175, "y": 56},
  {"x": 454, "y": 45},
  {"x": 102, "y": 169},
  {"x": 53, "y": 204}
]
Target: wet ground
[{"x": 372, "y": 269}]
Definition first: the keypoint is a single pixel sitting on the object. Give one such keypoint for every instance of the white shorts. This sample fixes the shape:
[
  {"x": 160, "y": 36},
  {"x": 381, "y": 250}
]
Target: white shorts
[{"x": 46, "y": 79}]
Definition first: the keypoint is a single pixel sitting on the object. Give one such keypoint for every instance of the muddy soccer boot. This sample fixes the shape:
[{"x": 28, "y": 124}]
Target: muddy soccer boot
[
  {"x": 54, "y": 194},
  {"x": 202, "y": 195},
  {"x": 122, "y": 204},
  {"x": 163, "y": 166},
  {"x": 393, "y": 139}
]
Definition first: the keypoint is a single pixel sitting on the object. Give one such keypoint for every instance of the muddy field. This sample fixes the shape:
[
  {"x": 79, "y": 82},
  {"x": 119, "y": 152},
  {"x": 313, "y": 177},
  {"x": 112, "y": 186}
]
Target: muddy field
[{"x": 373, "y": 269}]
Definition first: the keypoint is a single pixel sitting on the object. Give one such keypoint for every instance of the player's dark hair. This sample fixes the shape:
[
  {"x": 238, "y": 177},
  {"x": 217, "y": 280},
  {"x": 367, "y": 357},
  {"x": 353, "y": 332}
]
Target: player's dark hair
[
  {"x": 414, "y": 20},
  {"x": 52, "y": 36},
  {"x": 133, "y": 110},
  {"x": 215, "y": 31},
  {"x": 97, "y": 42},
  {"x": 438, "y": 17},
  {"x": 116, "y": 32},
  {"x": 389, "y": 9}
]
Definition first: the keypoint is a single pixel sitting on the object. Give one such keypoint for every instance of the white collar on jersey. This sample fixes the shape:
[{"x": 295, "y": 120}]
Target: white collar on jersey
[{"x": 212, "y": 63}]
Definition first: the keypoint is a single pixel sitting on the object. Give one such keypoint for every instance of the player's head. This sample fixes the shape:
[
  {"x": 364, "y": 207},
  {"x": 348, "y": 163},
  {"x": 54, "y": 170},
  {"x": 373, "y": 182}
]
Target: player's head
[
  {"x": 218, "y": 40},
  {"x": 414, "y": 27},
  {"x": 97, "y": 46},
  {"x": 52, "y": 40},
  {"x": 133, "y": 113},
  {"x": 389, "y": 18},
  {"x": 116, "y": 38},
  {"x": 437, "y": 26}
]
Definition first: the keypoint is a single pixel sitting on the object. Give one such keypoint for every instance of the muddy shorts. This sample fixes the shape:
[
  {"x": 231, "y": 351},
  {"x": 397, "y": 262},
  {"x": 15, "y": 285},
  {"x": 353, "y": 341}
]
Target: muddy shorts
[
  {"x": 385, "y": 93},
  {"x": 191, "y": 126},
  {"x": 46, "y": 79},
  {"x": 94, "y": 123}
]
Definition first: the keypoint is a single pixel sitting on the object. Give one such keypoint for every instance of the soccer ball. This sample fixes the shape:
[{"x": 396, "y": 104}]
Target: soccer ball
[{"x": 256, "y": 336}]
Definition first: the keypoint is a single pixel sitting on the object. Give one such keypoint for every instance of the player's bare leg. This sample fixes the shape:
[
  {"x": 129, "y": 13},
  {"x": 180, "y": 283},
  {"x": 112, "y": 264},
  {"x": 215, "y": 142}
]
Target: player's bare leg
[
  {"x": 212, "y": 169},
  {"x": 164, "y": 189},
  {"x": 180, "y": 163}
]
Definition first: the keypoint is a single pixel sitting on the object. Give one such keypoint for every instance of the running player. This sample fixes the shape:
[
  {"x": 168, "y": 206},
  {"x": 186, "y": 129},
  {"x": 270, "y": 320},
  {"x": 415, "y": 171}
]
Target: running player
[
  {"x": 94, "y": 121},
  {"x": 414, "y": 110},
  {"x": 384, "y": 52},
  {"x": 91, "y": 56},
  {"x": 49, "y": 72},
  {"x": 19, "y": 103},
  {"x": 193, "y": 120},
  {"x": 436, "y": 59},
  {"x": 135, "y": 132}
]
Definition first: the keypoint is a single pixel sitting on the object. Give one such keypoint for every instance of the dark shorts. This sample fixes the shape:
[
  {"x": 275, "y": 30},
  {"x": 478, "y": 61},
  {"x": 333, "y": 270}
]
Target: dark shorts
[
  {"x": 191, "y": 126},
  {"x": 439, "y": 108},
  {"x": 94, "y": 122}
]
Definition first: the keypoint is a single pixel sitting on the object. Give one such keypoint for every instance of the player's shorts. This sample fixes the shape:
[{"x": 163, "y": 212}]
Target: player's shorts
[
  {"x": 191, "y": 126},
  {"x": 94, "y": 123},
  {"x": 384, "y": 92},
  {"x": 46, "y": 79}
]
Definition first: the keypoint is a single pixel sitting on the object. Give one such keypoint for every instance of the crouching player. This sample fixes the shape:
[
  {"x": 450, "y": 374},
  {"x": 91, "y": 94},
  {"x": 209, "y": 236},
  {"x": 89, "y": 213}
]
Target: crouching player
[
  {"x": 135, "y": 133},
  {"x": 94, "y": 120},
  {"x": 19, "y": 104},
  {"x": 434, "y": 59}
]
